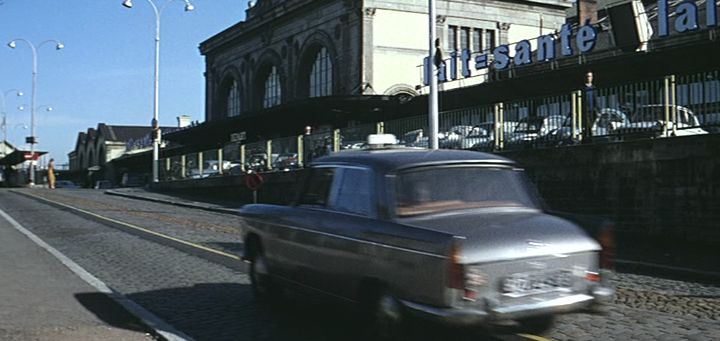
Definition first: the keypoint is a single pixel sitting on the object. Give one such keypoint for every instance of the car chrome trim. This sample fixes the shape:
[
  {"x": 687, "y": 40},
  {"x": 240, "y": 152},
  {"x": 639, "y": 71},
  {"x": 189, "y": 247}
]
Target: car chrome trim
[
  {"x": 312, "y": 288},
  {"x": 491, "y": 163},
  {"x": 354, "y": 239},
  {"x": 496, "y": 313}
]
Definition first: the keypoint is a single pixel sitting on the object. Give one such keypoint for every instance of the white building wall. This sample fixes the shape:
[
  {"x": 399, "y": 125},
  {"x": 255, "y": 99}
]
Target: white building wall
[
  {"x": 400, "y": 44},
  {"x": 400, "y": 35}
]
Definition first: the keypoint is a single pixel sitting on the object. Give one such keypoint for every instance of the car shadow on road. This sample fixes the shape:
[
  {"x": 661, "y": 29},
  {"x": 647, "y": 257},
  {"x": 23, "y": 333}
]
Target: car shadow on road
[
  {"x": 110, "y": 312},
  {"x": 234, "y": 248},
  {"x": 228, "y": 311}
]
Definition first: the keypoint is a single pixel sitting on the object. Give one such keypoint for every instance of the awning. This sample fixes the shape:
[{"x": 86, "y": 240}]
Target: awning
[
  {"x": 19, "y": 156},
  {"x": 294, "y": 116}
]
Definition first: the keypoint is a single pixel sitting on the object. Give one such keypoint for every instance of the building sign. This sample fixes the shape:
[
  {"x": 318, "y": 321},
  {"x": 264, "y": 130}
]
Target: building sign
[
  {"x": 500, "y": 59},
  {"x": 583, "y": 41},
  {"x": 141, "y": 143},
  {"x": 31, "y": 156},
  {"x": 238, "y": 137},
  {"x": 686, "y": 17},
  {"x": 146, "y": 141}
]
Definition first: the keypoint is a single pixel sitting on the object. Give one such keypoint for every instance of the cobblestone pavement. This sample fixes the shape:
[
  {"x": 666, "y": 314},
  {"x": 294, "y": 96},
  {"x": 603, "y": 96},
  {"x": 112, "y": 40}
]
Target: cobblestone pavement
[{"x": 211, "y": 301}]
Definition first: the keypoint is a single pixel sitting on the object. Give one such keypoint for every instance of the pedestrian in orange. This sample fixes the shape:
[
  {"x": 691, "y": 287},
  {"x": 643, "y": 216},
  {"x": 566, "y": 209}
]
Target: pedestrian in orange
[{"x": 51, "y": 173}]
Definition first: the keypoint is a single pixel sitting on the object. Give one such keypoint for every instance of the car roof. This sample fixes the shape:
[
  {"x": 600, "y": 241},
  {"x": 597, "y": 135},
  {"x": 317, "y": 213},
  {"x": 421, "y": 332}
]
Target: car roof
[{"x": 390, "y": 159}]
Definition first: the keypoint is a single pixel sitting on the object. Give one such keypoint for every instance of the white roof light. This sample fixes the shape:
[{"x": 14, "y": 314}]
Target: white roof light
[{"x": 381, "y": 139}]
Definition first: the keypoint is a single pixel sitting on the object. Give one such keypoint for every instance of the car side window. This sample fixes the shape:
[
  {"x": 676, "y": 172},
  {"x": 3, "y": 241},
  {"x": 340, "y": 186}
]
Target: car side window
[
  {"x": 318, "y": 188},
  {"x": 351, "y": 191}
]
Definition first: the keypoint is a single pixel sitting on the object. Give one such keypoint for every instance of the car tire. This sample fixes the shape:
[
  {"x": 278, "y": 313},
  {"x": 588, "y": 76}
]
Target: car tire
[
  {"x": 384, "y": 315},
  {"x": 537, "y": 325},
  {"x": 263, "y": 286}
]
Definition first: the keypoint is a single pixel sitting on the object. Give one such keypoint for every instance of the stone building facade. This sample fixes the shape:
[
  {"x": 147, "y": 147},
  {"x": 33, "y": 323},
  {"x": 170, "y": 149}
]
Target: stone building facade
[
  {"x": 292, "y": 50},
  {"x": 98, "y": 146}
]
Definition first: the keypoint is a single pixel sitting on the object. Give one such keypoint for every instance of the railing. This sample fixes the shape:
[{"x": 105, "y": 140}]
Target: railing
[{"x": 657, "y": 108}]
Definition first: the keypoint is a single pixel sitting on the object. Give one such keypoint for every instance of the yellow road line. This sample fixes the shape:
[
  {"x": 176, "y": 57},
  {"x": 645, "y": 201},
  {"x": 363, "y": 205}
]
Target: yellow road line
[
  {"x": 218, "y": 252},
  {"x": 533, "y": 337}
]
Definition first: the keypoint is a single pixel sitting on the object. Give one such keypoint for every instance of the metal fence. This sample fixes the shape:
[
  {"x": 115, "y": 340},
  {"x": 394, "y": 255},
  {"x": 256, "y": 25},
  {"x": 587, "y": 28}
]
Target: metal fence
[{"x": 657, "y": 108}]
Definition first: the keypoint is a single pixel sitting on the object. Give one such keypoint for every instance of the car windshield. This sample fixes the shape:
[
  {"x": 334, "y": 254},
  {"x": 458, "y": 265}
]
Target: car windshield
[
  {"x": 529, "y": 125},
  {"x": 657, "y": 113},
  {"x": 439, "y": 189}
]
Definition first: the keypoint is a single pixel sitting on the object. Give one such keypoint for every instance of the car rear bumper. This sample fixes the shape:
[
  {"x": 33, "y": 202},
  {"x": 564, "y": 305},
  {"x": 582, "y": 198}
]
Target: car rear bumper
[{"x": 490, "y": 312}]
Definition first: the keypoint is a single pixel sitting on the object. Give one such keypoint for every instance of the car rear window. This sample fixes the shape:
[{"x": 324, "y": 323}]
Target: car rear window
[
  {"x": 442, "y": 189},
  {"x": 318, "y": 187}
]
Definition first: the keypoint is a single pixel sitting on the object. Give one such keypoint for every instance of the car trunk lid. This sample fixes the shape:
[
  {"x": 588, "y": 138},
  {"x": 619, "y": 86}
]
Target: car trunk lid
[{"x": 503, "y": 234}]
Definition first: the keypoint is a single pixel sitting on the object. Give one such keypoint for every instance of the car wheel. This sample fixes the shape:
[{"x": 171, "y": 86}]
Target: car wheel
[
  {"x": 538, "y": 325},
  {"x": 262, "y": 284},
  {"x": 385, "y": 316}
]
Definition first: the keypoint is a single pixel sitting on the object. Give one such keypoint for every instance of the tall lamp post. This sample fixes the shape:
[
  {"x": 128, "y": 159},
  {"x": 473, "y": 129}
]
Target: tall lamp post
[
  {"x": 33, "y": 138},
  {"x": 434, "y": 50},
  {"x": 4, "y": 115},
  {"x": 156, "y": 83}
]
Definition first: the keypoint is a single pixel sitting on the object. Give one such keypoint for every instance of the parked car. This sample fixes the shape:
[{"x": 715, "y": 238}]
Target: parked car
[
  {"x": 452, "y": 138},
  {"x": 256, "y": 162},
  {"x": 710, "y": 122},
  {"x": 648, "y": 121},
  {"x": 530, "y": 129},
  {"x": 286, "y": 161},
  {"x": 416, "y": 138},
  {"x": 454, "y": 236},
  {"x": 478, "y": 136},
  {"x": 483, "y": 135},
  {"x": 604, "y": 129},
  {"x": 212, "y": 168}
]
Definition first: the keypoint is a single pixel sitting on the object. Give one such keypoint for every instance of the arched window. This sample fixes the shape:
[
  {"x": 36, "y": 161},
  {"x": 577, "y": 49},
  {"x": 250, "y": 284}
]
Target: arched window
[
  {"x": 102, "y": 156},
  {"x": 272, "y": 89},
  {"x": 233, "y": 100},
  {"x": 321, "y": 75}
]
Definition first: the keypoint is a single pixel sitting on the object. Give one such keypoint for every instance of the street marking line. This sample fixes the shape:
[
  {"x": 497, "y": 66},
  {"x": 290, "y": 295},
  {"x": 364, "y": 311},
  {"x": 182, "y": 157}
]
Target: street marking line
[
  {"x": 151, "y": 320},
  {"x": 157, "y": 234},
  {"x": 533, "y": 337}
]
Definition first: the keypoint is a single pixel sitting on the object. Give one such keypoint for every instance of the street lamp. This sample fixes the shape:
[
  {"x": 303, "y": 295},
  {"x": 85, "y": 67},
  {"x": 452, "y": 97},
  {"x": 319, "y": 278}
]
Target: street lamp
[
  {"x": 4, "y": 115},
  {"x": 156, "y": 86},
  {"x": 33, "y": 48},
  {"x": 38, "y": 108},
  {"x": 14, "y": 128}
]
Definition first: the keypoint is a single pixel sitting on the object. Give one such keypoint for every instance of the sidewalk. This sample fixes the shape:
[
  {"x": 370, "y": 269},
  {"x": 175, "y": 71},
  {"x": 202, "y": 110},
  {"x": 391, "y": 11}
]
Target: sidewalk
[
  {"x": 43, "y": 300},
  {"x": 638, "y": 256}
]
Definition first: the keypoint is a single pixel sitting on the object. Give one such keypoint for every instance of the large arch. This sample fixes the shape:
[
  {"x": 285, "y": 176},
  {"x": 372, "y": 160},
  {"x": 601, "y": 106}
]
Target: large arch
[
  {"x": 308, "y": 54},
  {"x": 404, "y": 92},
  {"x": 91, "y": 155},
  {"x": 82, "y": 160},
  {"x": 102, "y": 154},
  {"x": 230, "y": 81},
  {"x": 268, "y": 61}
]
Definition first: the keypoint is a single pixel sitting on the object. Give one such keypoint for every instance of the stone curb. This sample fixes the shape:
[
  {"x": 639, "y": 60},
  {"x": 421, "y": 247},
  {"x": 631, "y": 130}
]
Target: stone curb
[{"x": 197, "y": 205}]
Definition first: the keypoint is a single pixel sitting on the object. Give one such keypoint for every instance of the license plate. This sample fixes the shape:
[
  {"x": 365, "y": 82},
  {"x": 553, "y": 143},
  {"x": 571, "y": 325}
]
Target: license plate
[{"x": 525, "y": 283}]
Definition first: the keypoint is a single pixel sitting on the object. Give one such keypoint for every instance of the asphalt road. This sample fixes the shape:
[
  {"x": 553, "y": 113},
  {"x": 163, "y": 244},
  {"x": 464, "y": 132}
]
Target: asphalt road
[{"x": 181, "y": 265}]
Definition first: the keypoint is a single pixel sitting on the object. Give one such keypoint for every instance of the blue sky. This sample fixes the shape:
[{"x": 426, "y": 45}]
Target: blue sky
[{"x": 105, "y": 72}]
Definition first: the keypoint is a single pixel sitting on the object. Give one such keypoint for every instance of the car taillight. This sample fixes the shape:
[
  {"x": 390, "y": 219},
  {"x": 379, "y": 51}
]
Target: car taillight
[
  {"x": 592, "y": 276},
  {"x": 606, "y": 238},
  {"x": 456, "y": 271}
]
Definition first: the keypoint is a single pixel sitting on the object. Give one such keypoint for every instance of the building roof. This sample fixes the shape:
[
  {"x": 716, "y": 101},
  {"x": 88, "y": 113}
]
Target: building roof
[
  {"x": 17, "y": 157},
  {"x": 119, "y": 133},
  {"x": 7, "y": 145},
  {"x": 263, "y": 124}
]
